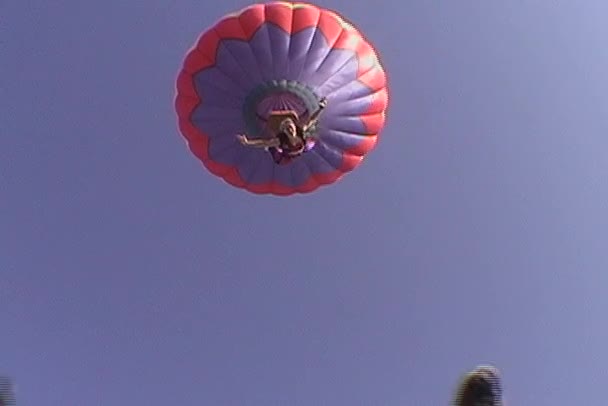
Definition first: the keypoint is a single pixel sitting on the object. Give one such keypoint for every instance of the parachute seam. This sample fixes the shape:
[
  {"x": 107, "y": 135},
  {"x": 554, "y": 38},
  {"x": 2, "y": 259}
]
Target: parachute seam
[
  {"x": 290, "y": 37},
  {"x": 307, "y": 51},
  {"x": 291, "y": 174},
  {"x": 312, "y": 40},
  {"x": 306, "y": 169},
  {"x": 342, "y": 150},
  {"x": 273, "y": 179},
  {"x": 340, "y": 69},
  {"x": 365, "y": 72},
  {"x": 221, "y": 43},
  {"x": 266, "y": 23},
  {"x": 215, "y": 86},
  {"x": 255, "y": 168},
  {"x": 358, "y": 79},
  {"x": 373, "y": 94},
  {"x": 332, "y": 149},
  {"x": 248, "y": 42},
  {"x": 311, "y": 173},
  {"x": 218, "y": 155},
  {"x": 222, "y": 150},
  {"x": 321, "y": 157},
  {"x": 330, "y": 47},
  {"x": 342, "y": 132}
]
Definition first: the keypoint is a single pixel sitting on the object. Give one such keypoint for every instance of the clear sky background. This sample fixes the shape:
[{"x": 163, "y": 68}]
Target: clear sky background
[{"x": 475, "y": 232}]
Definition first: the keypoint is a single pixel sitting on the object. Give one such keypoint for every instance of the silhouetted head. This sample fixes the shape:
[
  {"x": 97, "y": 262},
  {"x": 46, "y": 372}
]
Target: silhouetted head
[{"x": 480, "y": 387}]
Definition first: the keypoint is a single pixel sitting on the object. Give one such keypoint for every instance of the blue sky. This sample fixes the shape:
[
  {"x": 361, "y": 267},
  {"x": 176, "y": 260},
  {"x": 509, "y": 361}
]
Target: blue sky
[{"x": 475, "y": 232}]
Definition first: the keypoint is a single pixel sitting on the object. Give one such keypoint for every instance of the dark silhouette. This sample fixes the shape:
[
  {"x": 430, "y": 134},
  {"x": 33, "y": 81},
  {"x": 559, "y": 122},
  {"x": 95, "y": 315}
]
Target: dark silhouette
[
  {"x": 7, "y": 396},
  {"x": 480, "y": 387}
]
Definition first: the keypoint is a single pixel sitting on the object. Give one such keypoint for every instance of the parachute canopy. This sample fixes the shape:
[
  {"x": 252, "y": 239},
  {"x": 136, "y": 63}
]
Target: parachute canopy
[{"x": 281, "y": 56}]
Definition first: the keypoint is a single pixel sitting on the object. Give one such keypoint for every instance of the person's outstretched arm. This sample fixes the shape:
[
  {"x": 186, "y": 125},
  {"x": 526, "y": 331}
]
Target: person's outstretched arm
[
  {"x": 315, "y": 116},
  {"x": 258, "y": 142}
]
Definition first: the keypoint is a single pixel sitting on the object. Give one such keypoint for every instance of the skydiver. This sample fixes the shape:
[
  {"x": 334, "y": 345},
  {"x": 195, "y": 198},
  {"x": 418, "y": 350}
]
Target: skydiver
[{"x": 291, "y": 140}]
